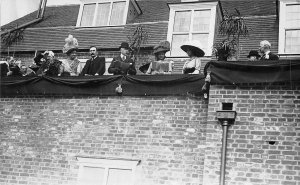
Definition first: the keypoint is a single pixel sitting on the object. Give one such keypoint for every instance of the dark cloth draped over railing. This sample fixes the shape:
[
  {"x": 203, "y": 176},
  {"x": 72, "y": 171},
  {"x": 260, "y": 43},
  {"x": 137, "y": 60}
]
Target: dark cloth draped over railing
[
  {"x": 254, "y": 72},
  {"x": 103, "y": 85}
]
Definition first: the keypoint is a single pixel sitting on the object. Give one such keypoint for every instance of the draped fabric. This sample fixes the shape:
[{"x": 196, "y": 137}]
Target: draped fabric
[
  {"x": 254, "y": 72},
  {"x": 134, "y": 85}
]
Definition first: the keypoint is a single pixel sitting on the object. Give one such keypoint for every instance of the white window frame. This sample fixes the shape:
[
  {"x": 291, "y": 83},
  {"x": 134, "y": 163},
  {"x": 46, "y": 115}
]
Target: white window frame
[
  {"x": 194, "y": 6},
  {"x": 107, "y": 164},
  {"x": 282, "y": 26},
  {"x": 97, "y": 2}
]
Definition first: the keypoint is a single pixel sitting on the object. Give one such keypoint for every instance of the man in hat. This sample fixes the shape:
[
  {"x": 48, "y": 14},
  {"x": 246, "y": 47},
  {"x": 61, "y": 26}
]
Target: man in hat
[
  {"x": 94, "y": 66},
  {"x": 253, "y": 55},
  {"x": 123, "y": 64},
  {"x": 265, "y": 47}
]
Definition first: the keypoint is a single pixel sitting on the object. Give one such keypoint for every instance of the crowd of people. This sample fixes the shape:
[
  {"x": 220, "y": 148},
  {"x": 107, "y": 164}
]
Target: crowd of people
[{"x": 47, "y": 64}]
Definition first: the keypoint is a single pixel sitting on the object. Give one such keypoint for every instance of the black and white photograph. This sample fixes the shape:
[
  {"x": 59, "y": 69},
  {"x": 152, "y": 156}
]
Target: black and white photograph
[{"x": 150, "y": 92}]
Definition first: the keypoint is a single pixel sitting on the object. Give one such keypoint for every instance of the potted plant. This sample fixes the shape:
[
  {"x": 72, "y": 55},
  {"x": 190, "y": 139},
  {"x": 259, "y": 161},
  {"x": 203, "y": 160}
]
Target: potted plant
[
  {"x": 225, "y": 50},
  {"x": 232, "y": 26}
]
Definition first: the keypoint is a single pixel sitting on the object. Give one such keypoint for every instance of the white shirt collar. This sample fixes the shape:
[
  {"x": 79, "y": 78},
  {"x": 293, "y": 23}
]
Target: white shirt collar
[{"x": 123, "y": 55}]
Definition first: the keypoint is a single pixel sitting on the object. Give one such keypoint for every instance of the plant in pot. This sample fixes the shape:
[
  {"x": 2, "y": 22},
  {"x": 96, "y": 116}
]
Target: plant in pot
[
  {"x": 232, "y": 26},
  {"x": 225, "y": 49}
]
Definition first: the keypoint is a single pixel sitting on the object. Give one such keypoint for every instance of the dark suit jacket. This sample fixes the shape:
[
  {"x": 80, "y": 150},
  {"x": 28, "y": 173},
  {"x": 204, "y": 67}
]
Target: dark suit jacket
[
  {"x": 272, "y": 56},
  {"x": 92, "y": 67},
  {"x": 117, "y": 70}
]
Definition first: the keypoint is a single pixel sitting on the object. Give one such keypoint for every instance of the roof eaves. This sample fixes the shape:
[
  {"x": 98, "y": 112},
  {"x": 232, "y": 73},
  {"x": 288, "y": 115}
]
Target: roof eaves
[{"x": 193, "y": 2}]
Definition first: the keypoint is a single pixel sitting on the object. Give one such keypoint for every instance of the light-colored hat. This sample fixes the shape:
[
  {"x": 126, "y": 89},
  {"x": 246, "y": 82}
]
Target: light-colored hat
[
  {"x": 162, "y": 46},
  {"x": 265, "y": 43},
  {"x": 71, "y": 44},
  {"x": 195, "y": 46}
]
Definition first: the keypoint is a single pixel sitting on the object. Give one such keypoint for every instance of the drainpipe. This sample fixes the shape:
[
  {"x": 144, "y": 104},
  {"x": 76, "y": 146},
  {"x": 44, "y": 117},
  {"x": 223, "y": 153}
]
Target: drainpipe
[
  {"x": 226, "y": 118},
  {"x": 39, "y": 17}
]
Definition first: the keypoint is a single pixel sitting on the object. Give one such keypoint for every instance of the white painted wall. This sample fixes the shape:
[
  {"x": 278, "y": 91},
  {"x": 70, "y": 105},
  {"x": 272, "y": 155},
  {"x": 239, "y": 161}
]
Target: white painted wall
[{"x": 14, "y": 9}]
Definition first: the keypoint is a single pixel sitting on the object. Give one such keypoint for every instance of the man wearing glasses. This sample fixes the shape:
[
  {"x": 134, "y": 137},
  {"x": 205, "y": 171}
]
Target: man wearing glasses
[{"x": 94, "y": 66}]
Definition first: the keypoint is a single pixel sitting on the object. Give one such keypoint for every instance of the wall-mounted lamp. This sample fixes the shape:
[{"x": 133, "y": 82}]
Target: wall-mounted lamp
[{"x": 226, "y": 118}]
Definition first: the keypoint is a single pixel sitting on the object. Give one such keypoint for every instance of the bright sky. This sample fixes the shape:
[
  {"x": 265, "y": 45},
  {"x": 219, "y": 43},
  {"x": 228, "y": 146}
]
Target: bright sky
[
  {"x": 14, "y": 9},
  {"x": 61, "y": 2}
]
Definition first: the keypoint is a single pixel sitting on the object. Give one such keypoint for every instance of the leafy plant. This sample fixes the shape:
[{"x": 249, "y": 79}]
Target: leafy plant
[
  {"x": 137, "y": 36},
  {"x": 12, "y": 37},
  {"x": 225, "y": 49},
  {"x": 233, "y": 26}
]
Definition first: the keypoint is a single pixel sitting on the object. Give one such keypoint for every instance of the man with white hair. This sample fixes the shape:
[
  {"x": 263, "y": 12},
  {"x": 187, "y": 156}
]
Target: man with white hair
[
  {"x": 50, "y": 66},
  {"x": 265, "y": 47}
]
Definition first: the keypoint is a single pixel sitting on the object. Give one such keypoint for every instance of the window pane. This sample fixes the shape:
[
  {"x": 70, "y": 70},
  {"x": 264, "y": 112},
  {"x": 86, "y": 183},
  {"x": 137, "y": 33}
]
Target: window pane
[
  {"x": 119, "y": 177},
  {"x": 292, "y": 15},
  {"x": 201, "y": 20},
  {"x": 182, "y": 21},
  {"x": 292, "y": 41},
  {"x": 203, "y": 39},
  {"x": 102, "y": 14},
  {"x": 88, "y": 15},
  {"x": 177, "y": 41},
  {"x": 92, "y": 176},
  {"x": 117, "y": 13}
]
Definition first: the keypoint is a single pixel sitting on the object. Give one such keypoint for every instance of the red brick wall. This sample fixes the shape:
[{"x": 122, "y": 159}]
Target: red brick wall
[
  {"x": 41, "y": 137},
  {"x": 263, "y": 143}
]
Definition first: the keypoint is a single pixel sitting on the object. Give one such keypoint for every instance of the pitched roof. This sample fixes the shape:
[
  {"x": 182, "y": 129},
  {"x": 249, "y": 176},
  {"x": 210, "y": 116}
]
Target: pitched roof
[
  {"x": 59, "y": 21},
  {"x": 53, "y": 17},
  {"x": 250, "y": 8},
  {"x": 54, "y": 38}
]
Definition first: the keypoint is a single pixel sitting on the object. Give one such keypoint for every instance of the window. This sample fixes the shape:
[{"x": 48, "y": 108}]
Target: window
[
  {"x": 102, "y": 13},
  {"x": 289, "y": 27},
  {"x": 192, "y": 21},
  {"x": 106, "y": 171}
]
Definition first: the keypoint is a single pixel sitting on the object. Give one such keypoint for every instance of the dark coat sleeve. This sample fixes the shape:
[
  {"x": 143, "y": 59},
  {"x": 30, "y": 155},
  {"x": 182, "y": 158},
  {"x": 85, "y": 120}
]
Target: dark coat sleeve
[
  {"x": 132, "y": 70},
  {"x": 112, "y": 68},
  {"x": 85, "y": 68},
  {"x": 273, "y": 56},
  {"x": 101, "y": 66}
]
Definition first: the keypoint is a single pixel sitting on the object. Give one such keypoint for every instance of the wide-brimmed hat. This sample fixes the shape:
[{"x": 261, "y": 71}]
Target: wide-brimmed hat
[
  {"x": 162, "y": 46},
  {"x": 125, "y": 45},
  {"x": 195, "y": 47},
  {"x": 71, "y": 44},
  {"x": 253, "y": 53}
]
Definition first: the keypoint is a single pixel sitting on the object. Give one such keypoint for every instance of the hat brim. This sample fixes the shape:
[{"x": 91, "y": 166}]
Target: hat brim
[
  {"x": 160, "y": 50},
  {"x": 196, "y": 51},
  {"x": 71, "y": 50},
  {"x": 128, "y": 48}
]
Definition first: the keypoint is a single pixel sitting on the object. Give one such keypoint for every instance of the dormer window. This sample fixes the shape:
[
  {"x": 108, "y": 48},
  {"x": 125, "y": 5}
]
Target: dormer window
[
  {"x": 289, "y": 27},
  {"x": 95, "y": 13},
  {"x": 191, "y": 20}
]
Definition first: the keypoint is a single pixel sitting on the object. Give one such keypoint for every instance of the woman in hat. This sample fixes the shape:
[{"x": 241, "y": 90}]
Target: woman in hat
[
  {"x": 194, "y": 51},
  {"x": 253, "y": 55},
  {"x": 160, "y": 66},
  {"x": 71, "y": 66}
]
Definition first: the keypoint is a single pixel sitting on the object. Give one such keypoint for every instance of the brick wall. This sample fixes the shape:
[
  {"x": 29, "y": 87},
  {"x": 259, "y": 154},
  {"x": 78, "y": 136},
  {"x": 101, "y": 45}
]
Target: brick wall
[
  {"x": 263, "y": 143},
  {"x": 177, "y": 139},
  {"x": 41, "y": 137}
]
